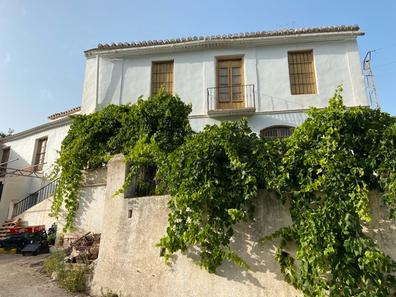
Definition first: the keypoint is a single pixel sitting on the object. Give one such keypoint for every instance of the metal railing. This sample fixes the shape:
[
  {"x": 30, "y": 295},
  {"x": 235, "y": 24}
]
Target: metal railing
[
  {"x": 231, "y": 97},
  {"x": 34, "y": 198}
]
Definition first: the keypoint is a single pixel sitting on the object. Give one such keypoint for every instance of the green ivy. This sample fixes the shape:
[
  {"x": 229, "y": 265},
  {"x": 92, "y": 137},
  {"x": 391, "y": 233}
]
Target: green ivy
[
  {"x": 154, "y": 126},
  {"x": 212, "y": 179},
  {"x": 332, "y": 161},
  {"x": 324, "y": 171}
]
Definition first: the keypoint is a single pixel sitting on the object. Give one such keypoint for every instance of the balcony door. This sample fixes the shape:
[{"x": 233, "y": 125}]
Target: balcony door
[{"x": 230, "y": 93}]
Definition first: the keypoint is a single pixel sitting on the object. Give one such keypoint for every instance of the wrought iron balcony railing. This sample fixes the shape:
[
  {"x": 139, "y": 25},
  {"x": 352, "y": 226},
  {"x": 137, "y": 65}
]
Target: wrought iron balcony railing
[{"x": 231, "y": 98}]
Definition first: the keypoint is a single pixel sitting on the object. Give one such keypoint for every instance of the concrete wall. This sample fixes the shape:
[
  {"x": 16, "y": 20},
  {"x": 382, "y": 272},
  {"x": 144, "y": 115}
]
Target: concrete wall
[
  {"x": 129, "y": 262},
  {"x": 23, "y": 148},
  {"x": 122, "y": 78}
]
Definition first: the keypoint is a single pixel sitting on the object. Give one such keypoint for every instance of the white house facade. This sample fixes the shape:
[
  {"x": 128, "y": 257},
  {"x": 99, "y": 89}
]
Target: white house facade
[{"x": 271, "y": 78}]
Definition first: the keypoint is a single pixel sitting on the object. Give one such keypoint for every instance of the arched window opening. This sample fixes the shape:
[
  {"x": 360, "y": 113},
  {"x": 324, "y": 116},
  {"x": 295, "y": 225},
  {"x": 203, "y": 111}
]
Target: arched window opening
[{"x": 276, "y": 132}]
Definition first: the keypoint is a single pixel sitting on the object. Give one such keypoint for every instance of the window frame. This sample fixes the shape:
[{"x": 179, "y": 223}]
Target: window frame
[
  {"x": 38, "y": 161},
  {"x": 154, "y": 91},
  {"x": 290, "y": 128},
  {"x": 3, "y": 171},
  {"x": 314, "y": 82}
]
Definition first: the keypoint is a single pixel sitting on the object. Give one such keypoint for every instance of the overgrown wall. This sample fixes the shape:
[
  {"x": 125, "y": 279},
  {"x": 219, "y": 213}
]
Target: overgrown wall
[{"x": 130, "y": 264}]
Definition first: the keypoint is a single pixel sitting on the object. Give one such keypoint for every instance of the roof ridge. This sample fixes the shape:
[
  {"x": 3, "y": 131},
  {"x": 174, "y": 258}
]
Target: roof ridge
[
  {"x": 64, "y": 113},
  {"x": 281, "y": 32}
]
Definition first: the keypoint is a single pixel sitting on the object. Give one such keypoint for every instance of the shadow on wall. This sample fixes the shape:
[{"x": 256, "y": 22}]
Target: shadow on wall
[
  {"x": 246, "y": 243},
  {"x": 381, "y": 228},
  {"x": 112, "y": 82},
  {"x": 17, "y": 187},
  {"x": 91, "y": 201}
]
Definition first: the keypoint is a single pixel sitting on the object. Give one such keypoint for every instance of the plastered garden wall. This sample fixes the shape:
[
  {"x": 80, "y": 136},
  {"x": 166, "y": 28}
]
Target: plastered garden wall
[
  {"x": 89, "y": 215},
  {"x": 130, "y": 264}
]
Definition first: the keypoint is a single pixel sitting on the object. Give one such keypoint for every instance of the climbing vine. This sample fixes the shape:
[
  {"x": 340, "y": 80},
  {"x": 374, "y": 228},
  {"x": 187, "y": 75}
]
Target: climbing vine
[
  {"x": 331, "y": 163},
  {"x": 212, "y": 179},
  {"x": 151, "y": 127},
  {"x": 325, "y": 170}
]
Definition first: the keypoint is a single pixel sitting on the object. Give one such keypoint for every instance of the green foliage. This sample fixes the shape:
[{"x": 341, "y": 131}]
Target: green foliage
[
  {"x": 73, "y": 280},
  {"x": 325, "y": 171},
  {"x": 55, "y": 262},
  {"x": 331, "y": 162},
  {"x": 5, "y": 134},
  {"x": 212, "y": 179},
  {"x": 142, "y": 132}
]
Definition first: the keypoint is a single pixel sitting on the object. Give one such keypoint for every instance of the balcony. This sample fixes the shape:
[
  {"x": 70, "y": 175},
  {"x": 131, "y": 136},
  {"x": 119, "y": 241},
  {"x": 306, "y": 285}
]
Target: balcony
[{"x": 231, "y": 100}]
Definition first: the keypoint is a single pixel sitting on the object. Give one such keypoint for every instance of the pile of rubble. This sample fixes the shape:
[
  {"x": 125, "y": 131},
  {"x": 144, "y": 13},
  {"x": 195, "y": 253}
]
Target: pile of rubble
[{"x": 84, "y": 250}]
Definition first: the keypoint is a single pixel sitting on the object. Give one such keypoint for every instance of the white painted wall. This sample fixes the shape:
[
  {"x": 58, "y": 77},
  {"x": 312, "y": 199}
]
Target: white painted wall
[
  {"x": 89, "y": 216},
  {"x": 18, "y": 187},
  {"x": 122, "y": 78}
]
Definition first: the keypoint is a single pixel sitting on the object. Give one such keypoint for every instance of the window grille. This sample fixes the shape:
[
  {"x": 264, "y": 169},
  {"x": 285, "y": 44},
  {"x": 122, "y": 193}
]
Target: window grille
[
  {"x": 276, "y": 132},
  {"x": 302, "y": 72},
  {"x": 162, "y": 76}
]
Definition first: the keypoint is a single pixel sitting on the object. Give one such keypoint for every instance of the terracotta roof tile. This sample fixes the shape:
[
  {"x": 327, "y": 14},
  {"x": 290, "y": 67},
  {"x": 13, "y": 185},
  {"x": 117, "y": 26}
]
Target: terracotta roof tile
[
  {"x": 64, "y": 113},
  {"x": 283, "y": 32}
]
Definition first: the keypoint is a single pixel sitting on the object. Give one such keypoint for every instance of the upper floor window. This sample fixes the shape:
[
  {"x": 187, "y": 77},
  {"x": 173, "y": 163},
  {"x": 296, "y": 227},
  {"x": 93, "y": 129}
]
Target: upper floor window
[
  {"x": 276, "y": 132},
  {"x": 302, "y": 72},
  {"x": 41, "y": 148},
  {"x": 229, "y": 84},
  {"x": 162, "y": 76},
  {"x": 4, "y": 159}
]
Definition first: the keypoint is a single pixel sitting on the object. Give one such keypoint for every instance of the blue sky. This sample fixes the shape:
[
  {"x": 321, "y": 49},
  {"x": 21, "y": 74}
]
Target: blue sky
[{"x": 42, "y": 41}]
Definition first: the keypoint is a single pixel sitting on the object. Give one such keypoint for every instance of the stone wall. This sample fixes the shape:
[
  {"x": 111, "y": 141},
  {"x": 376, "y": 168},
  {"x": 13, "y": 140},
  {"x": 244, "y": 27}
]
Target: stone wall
[{"x": 130, "y": 264}]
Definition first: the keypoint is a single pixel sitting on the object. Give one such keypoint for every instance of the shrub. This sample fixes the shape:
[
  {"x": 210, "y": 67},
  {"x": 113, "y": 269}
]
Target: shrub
[
  {"x": 55, "y": 262},
  {"x": 73, "y": 280}
]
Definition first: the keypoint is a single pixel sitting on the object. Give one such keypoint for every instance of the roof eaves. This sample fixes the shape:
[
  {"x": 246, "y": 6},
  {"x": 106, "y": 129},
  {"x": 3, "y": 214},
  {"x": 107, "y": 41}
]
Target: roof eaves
[
  {"x": 355, "y": 29},
  {"x": 41, "y": 128}
]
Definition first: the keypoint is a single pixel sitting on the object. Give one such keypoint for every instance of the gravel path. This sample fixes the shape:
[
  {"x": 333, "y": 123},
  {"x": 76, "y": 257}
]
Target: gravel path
[{"x": 20, "y": 277}]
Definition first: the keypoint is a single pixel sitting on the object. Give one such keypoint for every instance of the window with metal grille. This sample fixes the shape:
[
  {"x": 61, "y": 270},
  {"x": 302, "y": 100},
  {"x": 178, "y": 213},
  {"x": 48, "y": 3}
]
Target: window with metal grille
[
  {"x": 276, "y": 132},
  {"x": 302, "y": 72},
  {"x": 4, "y": 159},
  {"x": 162, "y": 76},
  {"x": 41, "y": 149}
]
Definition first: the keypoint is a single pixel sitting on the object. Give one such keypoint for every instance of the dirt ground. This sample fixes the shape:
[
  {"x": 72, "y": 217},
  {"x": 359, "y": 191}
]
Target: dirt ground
[{"x": 20, "y": 277}]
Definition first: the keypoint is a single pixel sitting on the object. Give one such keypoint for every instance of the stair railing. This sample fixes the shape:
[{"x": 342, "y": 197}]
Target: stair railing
[{"x": 34, "y": 198}]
